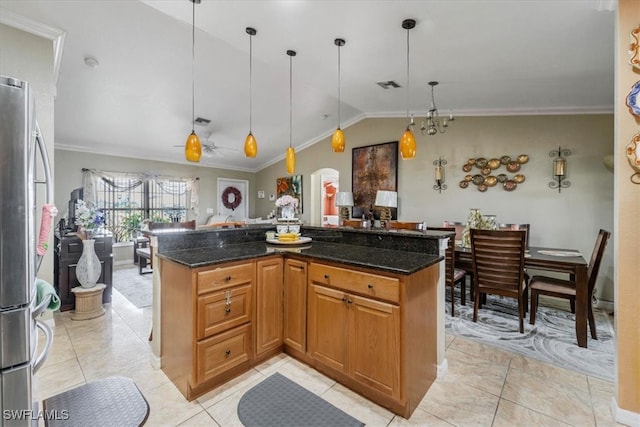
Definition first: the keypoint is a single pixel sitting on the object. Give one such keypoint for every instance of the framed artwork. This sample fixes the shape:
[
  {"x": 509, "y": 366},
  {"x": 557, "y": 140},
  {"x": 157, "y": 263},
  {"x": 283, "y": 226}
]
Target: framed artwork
[
  {"x": 291, "y": 185},
  {"x": 373, "y": 168}
]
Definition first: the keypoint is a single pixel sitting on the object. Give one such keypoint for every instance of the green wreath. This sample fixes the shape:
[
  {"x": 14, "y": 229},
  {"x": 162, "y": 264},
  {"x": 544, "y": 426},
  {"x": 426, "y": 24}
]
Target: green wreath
[{"x": 237, "y": 198}]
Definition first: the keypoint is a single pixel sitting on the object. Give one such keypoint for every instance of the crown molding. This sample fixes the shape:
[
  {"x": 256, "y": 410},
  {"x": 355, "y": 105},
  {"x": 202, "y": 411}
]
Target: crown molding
[{"x": 40, "y": 29}]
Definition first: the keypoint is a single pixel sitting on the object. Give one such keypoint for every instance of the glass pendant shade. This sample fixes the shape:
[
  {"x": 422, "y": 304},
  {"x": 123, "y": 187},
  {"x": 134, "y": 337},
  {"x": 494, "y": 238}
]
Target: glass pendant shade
[
  {"x": 337, "y": 142},
  {"x": 408, "y": 145},
  {"x": 250, "y": 146},
  {"x": 291, "y": 160},
  {"x": 193, "y": 148}
]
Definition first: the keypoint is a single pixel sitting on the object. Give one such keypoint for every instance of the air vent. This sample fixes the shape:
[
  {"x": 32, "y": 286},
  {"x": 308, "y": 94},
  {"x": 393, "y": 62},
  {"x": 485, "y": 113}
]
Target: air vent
[
  {"x": 201, "y": 121},
  {"x": 388, "y": 84}
]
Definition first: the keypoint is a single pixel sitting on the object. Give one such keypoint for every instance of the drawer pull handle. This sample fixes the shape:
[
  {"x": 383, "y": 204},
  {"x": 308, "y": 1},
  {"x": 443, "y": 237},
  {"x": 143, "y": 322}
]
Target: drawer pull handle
[
  {"x": 227, "y": 278},
  {"x": 326, "y": 276},
  {"x": 370, "y": 286},
  {"x": 344, "y": 299},
  {"x": 227, "y": 310},
  {"x": 349, "y": 301},
  {"x": 227, "y": 353}
]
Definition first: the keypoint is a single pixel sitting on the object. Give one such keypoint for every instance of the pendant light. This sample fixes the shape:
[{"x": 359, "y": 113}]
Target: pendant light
[
  {"x": 337, "y": 141},
  {"x": 291, "y": 152},
  {"x": 193, "y": 148},
  {"x": 250, "y": 143},
  {"x": 408, "y": 141}
]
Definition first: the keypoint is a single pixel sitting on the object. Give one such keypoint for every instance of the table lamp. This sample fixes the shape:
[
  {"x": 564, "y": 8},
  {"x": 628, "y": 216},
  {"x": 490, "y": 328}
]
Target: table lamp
[
  {"x": 344, "y": 199},
  {"x": 386, "y": 200}
]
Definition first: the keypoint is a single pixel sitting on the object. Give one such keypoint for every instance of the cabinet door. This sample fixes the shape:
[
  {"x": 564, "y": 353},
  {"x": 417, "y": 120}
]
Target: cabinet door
[
  {"x": 222, "y": 310},
  {"x": 295, "y": 304},
  {"x": 374, "y": 344},
  {"x": 328, "y": 327},
  {"x": 222, "y": 352},
  {"x": 268, "y": 324}
]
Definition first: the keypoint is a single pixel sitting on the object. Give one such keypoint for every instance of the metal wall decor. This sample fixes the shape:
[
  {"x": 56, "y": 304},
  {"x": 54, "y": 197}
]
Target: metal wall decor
[
  {"x": 439, "y": 174},
  {"x": 633, "y": 155},
  {"x": 559, "y": 169},
  {"x": 487, "y": 174},
  {"x": 634, "y": 48}
]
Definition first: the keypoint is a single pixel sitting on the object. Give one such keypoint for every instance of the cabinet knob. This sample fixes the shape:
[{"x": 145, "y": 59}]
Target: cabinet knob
[
  {"x": 227, "y": 353},
  {"x": 227, "y": 310},
  {"x": 370, "y": 286},
  {"x": 349, "y": 301},
  {"x": 326, "y": 276},
  {"x": 344, "y": 299},
  {"x": 227, "y": 278}
]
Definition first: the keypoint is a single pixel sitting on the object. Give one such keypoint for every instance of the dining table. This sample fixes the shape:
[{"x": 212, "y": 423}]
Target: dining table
[{"x": 568, "y": 261}]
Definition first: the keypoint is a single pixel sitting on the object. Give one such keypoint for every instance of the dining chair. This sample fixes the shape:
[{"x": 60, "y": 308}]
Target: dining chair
[
  {"x": 524, "y": 227},
  {"x": 406, "y": 225},
  {"x": 498, "y": 267},
  {"x": 458, "y": 226},
  {"x": 145, "y": 254},
  {"x": 566, "y": 289},
  {"x": 354, "y": 223},
  {"x": 452, "y": 275}
]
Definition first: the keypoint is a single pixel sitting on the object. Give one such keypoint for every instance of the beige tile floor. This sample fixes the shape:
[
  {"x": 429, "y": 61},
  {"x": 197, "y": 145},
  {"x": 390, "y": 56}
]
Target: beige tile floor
[{"x": 484, "y": 386}]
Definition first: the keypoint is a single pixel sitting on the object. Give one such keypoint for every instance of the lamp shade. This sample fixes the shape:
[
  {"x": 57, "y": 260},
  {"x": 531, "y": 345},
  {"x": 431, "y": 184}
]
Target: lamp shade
[
  {"x": 387, "y": 199},
  {"x": 291, "y": 160},
  {"x": 344, "y": 198},
  {"x": 337, "y": 141},
  {"x": 193, "y": 148},
  {"x": 250, "y": 146},
  {"x": 408, "y": 145}
]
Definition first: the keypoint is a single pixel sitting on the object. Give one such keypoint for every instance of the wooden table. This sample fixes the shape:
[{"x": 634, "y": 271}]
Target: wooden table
[{"x": 577, "y": 266}]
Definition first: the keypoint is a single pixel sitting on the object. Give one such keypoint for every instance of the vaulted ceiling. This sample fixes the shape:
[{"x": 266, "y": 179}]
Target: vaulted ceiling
[{"x": 491, "y": 57}]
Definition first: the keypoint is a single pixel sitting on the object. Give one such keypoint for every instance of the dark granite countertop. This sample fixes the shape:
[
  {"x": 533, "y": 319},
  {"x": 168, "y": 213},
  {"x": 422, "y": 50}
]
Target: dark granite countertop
[{"x": 393, "y": 261}]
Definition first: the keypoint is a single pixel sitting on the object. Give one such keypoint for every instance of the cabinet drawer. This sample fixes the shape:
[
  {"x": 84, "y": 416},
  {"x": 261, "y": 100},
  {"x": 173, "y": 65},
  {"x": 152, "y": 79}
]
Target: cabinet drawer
[
  {"x": 222, "y": 310},
  {"x": 372, "y": 285},
  {"x": 222, "y": 352},
  {"x": 225, "y": 277}
]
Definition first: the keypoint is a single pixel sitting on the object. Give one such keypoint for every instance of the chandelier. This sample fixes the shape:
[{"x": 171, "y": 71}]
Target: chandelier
[{"x": 434, "y": 123}]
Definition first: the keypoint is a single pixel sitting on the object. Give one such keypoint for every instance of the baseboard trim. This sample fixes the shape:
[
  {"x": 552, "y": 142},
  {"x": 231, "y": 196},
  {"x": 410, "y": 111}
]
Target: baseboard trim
[
  {"x": 624, "y": 416},
  {"x": 123, "y": 262},
  {"x": 155, "y": 361},
  {"x": 442, "y": 368},
  {"x": 607, "y": 306}
]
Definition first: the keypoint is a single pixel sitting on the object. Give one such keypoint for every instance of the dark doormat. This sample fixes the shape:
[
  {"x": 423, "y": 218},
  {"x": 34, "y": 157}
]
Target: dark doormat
[{"x": 279, "y": 402}]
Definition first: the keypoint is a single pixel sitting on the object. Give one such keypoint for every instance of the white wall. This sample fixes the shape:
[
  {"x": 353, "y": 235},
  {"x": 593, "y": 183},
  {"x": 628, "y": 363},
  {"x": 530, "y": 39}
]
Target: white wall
[
  {"x": 570, "y": 219},
  {"x": 30, "y": 58}
]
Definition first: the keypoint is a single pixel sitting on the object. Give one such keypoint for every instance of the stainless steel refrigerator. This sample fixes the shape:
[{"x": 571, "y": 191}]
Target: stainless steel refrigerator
[{"x": 25, "y": 177}]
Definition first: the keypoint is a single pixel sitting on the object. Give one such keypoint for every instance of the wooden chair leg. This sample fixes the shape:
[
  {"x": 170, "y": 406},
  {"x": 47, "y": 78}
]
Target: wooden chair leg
[
  {"x": 572, "y": 304},
  {"x": 592, "y": 322},
  {"x": 534, "y": 307},
  {"x": 463, "y": 291},
  {"x": 521, "y": 304},
  {"x": 453, "y": 305},
  {"x": 475, "y": 305}
]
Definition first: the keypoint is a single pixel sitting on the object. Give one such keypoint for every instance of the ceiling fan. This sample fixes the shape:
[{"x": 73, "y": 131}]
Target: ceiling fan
[{"x": 210, "y": 148}]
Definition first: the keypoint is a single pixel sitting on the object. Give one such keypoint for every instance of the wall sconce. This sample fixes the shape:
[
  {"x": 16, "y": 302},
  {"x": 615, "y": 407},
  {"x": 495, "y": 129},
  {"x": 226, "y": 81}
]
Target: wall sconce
[
  {"x": 386, "y": 200},
  {"x": 439, "y": 175},
  {"x": 559, "y": 169},
  {"x": 344, "y": 200}
]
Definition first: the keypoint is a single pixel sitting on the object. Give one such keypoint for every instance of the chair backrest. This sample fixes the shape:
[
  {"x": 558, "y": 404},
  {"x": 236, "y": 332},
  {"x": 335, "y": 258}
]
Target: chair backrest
[
  {"x": 398, "y": 225},
  {"x": 498, "y": 260},
  {"x": 524, "y": 227},
  {"x": 596, "y": 258},
  {"x": 190, "y": 225},
  {"x": 355, "y": 223},
  {"x": 458, "y": 226},
  {"x": 449, "y": 255}
]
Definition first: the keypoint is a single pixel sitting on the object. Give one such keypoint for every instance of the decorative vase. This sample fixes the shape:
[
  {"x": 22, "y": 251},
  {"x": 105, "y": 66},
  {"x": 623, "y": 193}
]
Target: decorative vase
[
  {"x": 489, "y": 222},
  {"x": 288, "y": 212},
  {"x": 88, "y": 268},
  {"x": 474, "y": 220}
]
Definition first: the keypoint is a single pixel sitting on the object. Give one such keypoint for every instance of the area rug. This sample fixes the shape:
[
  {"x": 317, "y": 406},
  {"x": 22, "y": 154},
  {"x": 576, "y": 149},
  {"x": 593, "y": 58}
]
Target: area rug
[
  {"x": 136, "y": 288},
  {"x": 279, "y": 402},
  {"x": 551, "y": 340}
]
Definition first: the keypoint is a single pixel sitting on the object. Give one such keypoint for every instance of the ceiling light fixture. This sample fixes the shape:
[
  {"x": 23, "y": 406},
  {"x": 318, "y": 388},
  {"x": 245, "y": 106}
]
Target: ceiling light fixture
[
  {"x": 250, "y": 143},
  {"x": 408, "y": 141},
  {"x": 193, "y": 148},
  {"x": 434, "y": 123},
  {"x": 291, "y": 152},
  {"x": 337, "y": 141}
]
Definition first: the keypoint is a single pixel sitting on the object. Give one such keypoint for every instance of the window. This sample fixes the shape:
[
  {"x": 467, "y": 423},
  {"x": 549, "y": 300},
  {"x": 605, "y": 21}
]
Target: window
[{"x": 128, "y": 199}]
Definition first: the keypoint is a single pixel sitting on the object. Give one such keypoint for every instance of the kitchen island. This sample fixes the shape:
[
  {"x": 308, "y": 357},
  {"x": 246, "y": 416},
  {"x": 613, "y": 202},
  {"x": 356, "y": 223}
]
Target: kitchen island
[{"x": 365, "y": 315}]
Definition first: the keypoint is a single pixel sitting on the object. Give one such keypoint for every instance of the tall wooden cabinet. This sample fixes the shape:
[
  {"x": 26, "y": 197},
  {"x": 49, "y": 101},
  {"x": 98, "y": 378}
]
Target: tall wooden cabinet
[
  {"x": 295, "y": 305},
  {"x": 68, "y": 249}
]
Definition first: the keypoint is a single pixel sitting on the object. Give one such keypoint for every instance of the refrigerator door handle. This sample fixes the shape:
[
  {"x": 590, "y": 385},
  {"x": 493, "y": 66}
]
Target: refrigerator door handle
[
  {"x": 41, "y": 307},
  {"x": 47, "y": 180},
  {"x": 47, "y": 345}
]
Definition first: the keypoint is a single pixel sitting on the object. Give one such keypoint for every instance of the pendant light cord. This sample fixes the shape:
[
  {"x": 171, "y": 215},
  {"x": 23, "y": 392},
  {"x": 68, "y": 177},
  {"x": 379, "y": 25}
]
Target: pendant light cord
[
  {"x": 339, "y": 67},
  {"x": 193, "y": 74},
  {"x": 250, "y": 82},
  {"x": 408, "y": 73},
  {"x": 290, "y": 98}
]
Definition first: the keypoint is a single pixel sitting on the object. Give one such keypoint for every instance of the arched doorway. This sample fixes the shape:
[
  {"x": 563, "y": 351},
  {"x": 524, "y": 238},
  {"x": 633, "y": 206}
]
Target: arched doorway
[{"x": 324, "y": 186}]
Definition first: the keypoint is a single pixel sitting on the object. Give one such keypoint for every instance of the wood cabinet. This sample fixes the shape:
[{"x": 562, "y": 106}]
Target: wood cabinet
[
  {"x": 206, "y": 324},
  {"x": 374, "y": 333},
  {"x": 295, "y": 305},
  {"x": 68, "y": 250},
  {"x": 268, "y": 324}
]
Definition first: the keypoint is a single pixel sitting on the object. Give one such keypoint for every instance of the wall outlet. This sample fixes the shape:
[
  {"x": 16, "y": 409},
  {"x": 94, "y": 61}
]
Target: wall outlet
[
  {"x": 210, "y": 211},
  {"x": 260, "y": 194}
]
